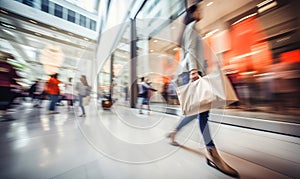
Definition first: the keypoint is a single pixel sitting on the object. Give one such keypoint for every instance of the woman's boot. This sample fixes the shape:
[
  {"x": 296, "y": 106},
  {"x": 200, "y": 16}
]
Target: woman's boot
[
  {"x": 172, "y": 135},
  {"x": 215, "y": 160}
]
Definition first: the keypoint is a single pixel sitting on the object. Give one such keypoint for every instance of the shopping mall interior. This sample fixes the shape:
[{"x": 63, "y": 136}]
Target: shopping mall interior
[{"x": 112, "y": 44}]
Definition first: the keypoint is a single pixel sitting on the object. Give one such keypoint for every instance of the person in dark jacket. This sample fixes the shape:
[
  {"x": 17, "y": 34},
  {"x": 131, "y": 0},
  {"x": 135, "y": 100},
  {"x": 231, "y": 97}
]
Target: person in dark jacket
[{"x": 8, "y": 76}]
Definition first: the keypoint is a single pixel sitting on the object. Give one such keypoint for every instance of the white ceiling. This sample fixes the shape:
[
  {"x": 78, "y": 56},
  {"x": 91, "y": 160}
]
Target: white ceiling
[
  {"x": 220, "y": 8},
  {"x": 26, "y": 39}
]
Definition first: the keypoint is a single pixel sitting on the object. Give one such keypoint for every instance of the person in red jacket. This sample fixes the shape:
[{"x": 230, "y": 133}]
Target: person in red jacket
[{"x": 53, "y": 92}]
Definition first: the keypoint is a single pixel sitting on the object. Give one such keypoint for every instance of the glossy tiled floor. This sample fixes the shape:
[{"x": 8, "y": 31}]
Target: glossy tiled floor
[{"x": 123, "y": 144}]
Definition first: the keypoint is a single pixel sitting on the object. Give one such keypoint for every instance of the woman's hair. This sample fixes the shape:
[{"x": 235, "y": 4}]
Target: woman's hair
[
  {"x": 55, "y": 75},
  {"x": 83, "y": 80},
  {"x": 192, "y": 9},
  {"x": 188, "y": 17}
]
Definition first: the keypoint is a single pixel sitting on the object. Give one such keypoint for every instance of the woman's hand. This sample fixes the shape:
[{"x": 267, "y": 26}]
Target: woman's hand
[{"x": 194, "y": 75}]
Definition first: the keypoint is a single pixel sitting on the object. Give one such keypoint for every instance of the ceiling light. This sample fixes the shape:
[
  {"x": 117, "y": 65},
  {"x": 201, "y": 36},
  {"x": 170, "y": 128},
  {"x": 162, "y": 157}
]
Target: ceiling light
[
  {"x": 86, "y": 39},
  {"x": 37, "y": 34},
  {"x": 283, "y": 39},
  {"x": 263, "y": 3},
  {"x": 3, "y": 11},
  {"x": 66, "y": 39},
  {"x": 209, "y": 4},
  {"x": 210, "y": 33},
  {"x": 83, "y": 47},
  {"x": 32, "y": 21},
  {"x": 151, "y": 50},
  {"x": 266, "y": 7},
  {"x": 248, "y": 73},
  {"x": 53, "y": 28},
  {"x": 8, "y": 32},
  {"x": 33, "y": 39},
  {"x": 70, "y": 33},
  {"x": 155, "y": 41},
  {"x": 244, "y": 55},
  {"x": 244, "y": 18},
  {"x": 8, "y": 25}
]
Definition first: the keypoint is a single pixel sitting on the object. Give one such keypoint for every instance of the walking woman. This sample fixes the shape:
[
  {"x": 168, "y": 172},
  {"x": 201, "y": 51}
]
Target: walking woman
[
  {"x": 192, "y": 65},
  {"x": 83, "y": 91}
]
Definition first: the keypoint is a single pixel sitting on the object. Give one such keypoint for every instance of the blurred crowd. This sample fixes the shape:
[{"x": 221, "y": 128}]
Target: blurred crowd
[
  {"x": 275, "y": 89},
  {"x": 52, "y": 89}
]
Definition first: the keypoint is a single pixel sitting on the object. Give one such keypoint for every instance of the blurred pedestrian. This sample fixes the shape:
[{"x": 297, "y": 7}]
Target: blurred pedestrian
[
  {"x": 39, "y": 93},
  {"x": 149, "y": 94},
  {"x": 36, "y": 93},
  {"x": 69, "y": 95},
  {"x": 192, "y": 66},
  {"x": 84, "y": 90},
  {"x": 8, "y": 76},
  {"x": 126, "y": 90},
  {"x": 32, "y": 90},
  {"x": 143, "y": 88},
  {"x": 164, "y": 92},
  {"x": 53, "y": 92}
]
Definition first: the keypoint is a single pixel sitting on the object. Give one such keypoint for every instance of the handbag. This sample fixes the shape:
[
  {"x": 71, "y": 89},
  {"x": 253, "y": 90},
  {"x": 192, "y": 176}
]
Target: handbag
[
  {"x": 211, "y": 91},
  {"x": 107, "y": 103},
  {"x": 86, "y": 100}
]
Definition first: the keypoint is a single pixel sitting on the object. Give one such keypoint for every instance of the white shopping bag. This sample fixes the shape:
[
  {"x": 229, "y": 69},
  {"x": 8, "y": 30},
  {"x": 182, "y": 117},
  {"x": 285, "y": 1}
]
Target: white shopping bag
[
  {"x": 211, "y": 91},
  {"x": 86, "y": 100}
]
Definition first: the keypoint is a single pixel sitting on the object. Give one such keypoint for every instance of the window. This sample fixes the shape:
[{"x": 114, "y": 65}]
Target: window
[
  {"x": 92, "y": 24},
  {"x": 82, "y": 20},
  {"x": 71, "y": 16},
  {"x": 58, "y": 10},
  {"x": 45, "y": 5},
  {"x": 28, "y": 2}
]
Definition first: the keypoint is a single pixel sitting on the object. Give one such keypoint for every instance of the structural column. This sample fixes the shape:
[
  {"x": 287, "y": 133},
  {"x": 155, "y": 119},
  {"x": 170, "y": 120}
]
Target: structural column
[
  {"x": 133, "y": 64},
  {"x": 112, "y": 75}
]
